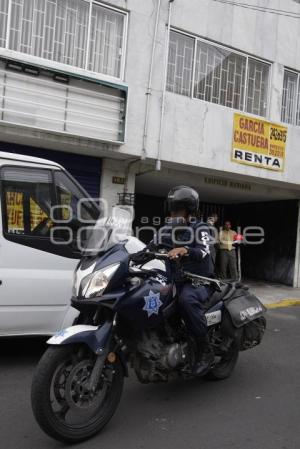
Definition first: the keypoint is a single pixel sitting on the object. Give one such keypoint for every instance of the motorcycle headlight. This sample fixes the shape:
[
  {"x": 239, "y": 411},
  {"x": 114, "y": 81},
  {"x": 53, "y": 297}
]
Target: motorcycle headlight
[{"x": 95, "y": 283}]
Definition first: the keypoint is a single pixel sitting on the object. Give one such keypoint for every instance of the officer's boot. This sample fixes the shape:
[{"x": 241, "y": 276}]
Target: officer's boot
[{"x": 205, "y": 357}]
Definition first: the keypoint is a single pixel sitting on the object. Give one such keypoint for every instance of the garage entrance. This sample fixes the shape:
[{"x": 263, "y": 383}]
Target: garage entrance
[{"x": 245, "y": 204}]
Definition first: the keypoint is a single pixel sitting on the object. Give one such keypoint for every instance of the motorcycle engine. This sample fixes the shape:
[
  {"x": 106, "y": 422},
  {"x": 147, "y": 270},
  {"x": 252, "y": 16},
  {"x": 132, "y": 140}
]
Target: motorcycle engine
[
  {"x": 156, "y": 359},
  {"x": 176, "y": 354}
]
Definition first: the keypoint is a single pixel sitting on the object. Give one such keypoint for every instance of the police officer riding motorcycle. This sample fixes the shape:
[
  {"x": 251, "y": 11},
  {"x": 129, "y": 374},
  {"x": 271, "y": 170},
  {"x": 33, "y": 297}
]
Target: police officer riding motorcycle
[
  {"x": 191, "y": 242},
  {"x": 155, "y": 308}
]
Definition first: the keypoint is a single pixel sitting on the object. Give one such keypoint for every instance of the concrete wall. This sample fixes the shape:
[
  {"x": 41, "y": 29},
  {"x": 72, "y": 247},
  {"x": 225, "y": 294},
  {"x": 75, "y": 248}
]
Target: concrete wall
[
  {"x": 197, "y": 136},
  {"x": 268, "y": 36},
  {"x": 197, "y": 133},
  {"x": 200, "y": 134}
]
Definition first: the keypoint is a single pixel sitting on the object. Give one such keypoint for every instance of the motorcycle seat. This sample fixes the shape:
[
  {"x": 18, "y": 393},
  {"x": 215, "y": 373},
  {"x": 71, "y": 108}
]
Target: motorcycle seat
[{"x": 217, "y": 296}]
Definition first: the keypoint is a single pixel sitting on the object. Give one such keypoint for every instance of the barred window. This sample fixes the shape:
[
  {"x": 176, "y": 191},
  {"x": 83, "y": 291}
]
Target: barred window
[
  {"x": 290, "y": 111},
  {"x": 78, "y": 33},
  {"x": 220, "y": 76},
  {"x": 180, "y": 63},
  {"x": 217, "y": 74},
  {"x": 106, "y": 38},
  {"x": 3, "y": 22},
  {"x": 257, "y": 87}
]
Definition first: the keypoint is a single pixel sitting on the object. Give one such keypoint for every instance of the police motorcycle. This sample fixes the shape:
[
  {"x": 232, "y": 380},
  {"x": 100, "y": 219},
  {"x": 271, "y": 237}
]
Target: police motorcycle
[{"x": 129, "y": 317}]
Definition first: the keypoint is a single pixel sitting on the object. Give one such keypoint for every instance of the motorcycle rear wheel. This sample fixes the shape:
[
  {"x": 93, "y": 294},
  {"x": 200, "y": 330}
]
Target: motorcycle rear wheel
[
  {"x": 223, "y": 369},
  {"x": 59, "y": 382}
]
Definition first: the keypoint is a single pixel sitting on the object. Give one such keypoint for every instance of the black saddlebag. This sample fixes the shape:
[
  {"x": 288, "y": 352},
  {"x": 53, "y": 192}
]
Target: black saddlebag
[
  {"x": 243, "y": 307},
  {"x": 243, "y": 319},
  {"x": 252, "y": 333}
]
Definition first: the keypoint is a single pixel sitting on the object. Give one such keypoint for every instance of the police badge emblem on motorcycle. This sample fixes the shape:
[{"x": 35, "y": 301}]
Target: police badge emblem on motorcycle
[{"x": 152, "y": 303}]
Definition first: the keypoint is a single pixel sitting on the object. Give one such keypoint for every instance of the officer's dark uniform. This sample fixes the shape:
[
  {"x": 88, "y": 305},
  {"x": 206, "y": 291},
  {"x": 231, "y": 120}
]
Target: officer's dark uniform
[
  {"x": 183, "y": 203},
  {"x": 195, "y": 238}
]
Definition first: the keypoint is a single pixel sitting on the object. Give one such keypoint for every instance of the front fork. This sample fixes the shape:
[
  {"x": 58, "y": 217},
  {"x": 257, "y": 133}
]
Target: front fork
[
  {"x": 102, "y": 353},
  {"x": 97, "y": 370}
]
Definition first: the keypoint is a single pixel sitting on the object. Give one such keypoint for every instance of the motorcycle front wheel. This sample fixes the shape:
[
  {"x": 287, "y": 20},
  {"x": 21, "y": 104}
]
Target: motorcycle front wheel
[{"x": 63, "y": 405}]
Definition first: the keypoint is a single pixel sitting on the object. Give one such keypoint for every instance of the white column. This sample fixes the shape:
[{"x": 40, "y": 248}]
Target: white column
[
  {"x": 108, "y": 189},
  {"x": 276, "y": 92}
]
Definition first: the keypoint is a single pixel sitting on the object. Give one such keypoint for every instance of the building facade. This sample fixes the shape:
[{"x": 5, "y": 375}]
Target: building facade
[{"x": 134, "y": 96}]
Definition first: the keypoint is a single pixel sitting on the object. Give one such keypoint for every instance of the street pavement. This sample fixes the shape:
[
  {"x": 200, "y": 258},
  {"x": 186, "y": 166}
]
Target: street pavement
[{"x": 257, "y": 408}]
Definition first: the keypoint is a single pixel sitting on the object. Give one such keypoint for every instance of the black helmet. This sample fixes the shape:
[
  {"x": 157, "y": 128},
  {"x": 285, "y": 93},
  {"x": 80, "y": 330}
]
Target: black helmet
[{"x": 183, "y": 198}]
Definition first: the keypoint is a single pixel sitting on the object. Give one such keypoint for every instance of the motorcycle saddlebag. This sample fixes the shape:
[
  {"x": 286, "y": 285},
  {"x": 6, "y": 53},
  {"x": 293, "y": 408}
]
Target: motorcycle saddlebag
[
  {"x": 252, "y": 333},
  {"x": 243, "y": 307}
]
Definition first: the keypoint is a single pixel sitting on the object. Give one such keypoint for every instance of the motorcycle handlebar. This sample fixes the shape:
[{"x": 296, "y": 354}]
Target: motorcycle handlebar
[
  {"x": 163, "y": 256},
  {"x": 146, "y": 256},
  {"x": 155, "y": 255}
]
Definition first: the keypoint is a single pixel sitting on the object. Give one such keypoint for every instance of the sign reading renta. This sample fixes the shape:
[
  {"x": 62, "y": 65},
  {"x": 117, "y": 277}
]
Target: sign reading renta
[{"x": 258, "y": 143}]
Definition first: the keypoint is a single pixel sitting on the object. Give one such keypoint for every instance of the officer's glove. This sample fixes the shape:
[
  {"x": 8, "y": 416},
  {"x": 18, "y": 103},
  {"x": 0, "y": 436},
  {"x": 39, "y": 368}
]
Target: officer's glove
[{"x": 142, "y": 257}]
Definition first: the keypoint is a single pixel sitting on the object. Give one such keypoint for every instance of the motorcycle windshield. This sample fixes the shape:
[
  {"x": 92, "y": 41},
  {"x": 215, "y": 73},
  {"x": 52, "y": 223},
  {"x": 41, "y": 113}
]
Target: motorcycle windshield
[{"x": 108, "y": 231}]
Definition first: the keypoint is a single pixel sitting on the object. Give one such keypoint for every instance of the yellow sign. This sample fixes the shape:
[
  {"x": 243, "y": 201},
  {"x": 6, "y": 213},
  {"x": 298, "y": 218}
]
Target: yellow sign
[
  {"x": 258, "y": 143},
  {"x": 37, "y": 216},
  {"x": 15, "y": 213}
]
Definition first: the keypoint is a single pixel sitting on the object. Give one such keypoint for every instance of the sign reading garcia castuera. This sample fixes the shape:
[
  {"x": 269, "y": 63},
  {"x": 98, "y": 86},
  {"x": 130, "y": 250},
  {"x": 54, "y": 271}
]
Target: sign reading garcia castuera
[{"x": 258, "y": 143}]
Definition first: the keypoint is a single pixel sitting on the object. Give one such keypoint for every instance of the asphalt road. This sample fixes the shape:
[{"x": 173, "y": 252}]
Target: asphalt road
[{"x": 257, "y": 408}]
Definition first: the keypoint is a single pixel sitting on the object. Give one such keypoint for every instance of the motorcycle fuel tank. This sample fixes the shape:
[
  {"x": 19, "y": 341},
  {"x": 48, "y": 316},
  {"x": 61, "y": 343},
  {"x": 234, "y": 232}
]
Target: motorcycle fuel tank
[{"x": 143, "y": 307}]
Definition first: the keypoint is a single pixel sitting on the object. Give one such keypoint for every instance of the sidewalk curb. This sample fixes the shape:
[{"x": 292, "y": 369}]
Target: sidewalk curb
[{"x": 283, "y": 303}]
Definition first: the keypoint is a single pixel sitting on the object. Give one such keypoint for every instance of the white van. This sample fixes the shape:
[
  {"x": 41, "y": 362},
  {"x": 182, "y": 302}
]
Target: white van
[{"x": 36, "y": 273}]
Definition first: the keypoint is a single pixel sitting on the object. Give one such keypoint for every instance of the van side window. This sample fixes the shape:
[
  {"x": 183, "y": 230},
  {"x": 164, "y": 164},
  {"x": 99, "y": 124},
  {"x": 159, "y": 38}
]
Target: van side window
[
  {"x": 27, "y": 201},
  {"x": 43, "y": 209}
]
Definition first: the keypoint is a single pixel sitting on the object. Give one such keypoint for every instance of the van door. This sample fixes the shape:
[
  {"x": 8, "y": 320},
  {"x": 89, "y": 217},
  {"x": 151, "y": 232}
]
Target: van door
[{"x": 35, "y": 272}]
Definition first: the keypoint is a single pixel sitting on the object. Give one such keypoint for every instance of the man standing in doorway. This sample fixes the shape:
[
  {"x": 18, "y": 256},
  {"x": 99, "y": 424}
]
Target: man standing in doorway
[{"x": 228, "y": 260}]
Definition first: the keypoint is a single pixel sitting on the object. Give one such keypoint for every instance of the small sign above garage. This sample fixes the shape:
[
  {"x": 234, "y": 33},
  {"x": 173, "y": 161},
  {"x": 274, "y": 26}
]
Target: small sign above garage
[{"x": 258, "y": 143}]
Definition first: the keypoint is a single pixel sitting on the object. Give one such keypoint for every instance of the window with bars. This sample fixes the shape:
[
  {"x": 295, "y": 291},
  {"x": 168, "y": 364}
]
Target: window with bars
[
  {"x": 290, "y": 111},
  {"x": 3, "y": 21},
  {"x": 106, "y": 39},
  {"x": 257, "y": 87},
  {"x": 180, "y": 64},
  {"x": 79, "y": 33},
  {"x": 216, "y": 74},
  {"x": 219, "y": 76}
]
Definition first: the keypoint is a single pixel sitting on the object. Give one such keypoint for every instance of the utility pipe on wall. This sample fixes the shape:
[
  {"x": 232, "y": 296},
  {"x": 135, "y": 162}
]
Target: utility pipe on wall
[
  {"x": 148, "y": 96},
  {"x": 163, "y": 100},
  {"x": 149, "y": 88}
]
